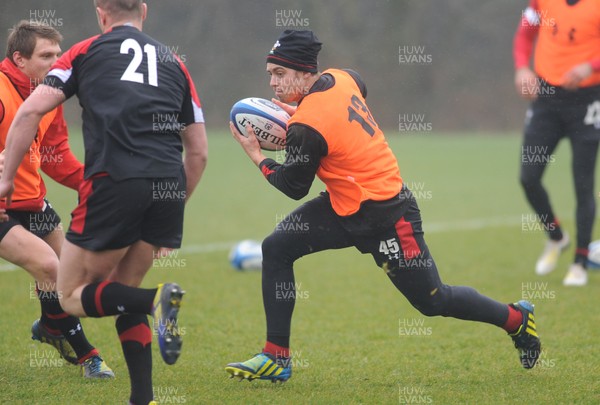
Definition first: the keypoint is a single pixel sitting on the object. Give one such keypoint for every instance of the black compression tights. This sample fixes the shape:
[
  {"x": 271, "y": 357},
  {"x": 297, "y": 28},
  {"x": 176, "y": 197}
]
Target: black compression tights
[{"x": 583, "y": 167}]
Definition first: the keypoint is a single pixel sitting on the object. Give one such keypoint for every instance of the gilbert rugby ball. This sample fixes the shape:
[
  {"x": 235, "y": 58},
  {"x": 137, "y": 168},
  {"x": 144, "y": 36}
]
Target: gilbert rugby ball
[
  {"x": 246, "y": 255},
  {"x": 268, "y": 120},
  {"x": 594, "y": 255}
]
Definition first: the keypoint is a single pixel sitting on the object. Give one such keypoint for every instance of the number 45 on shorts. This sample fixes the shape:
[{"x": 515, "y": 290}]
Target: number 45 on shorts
[{"x": 389, "y": 247}]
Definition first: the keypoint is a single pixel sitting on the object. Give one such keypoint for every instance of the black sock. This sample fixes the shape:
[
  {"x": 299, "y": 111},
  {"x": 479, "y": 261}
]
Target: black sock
[
  {"x": 110, "y": 298},
  {"x": 44, "y": 319},
  {"x": 554, "y": 230},
  {"x": 67, "y": 324},
  {"x": 136, "y": 340}
]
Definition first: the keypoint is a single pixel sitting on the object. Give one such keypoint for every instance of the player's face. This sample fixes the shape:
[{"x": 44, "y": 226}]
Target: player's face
[
  {"x": 289, "y": 85},
  {"x": 44, "y": 55}
]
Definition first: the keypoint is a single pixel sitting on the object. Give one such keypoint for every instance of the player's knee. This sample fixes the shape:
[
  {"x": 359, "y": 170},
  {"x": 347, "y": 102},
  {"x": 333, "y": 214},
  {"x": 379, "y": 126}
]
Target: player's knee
[
  {"x": 528, "y": 180},
  {"x": 44, "y": 270},
  {"x": 269, "y": 246},
  {"x": 434, "y": 303},
  {"x": 276, "y": 249}
]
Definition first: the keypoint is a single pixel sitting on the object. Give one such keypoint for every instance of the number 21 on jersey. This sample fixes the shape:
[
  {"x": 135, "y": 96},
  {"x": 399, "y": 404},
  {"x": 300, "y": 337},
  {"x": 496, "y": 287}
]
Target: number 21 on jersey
[{"x": 131, "y": 74}]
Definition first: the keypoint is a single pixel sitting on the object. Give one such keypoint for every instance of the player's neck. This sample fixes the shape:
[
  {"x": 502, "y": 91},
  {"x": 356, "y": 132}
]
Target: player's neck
[
  {"x": 129, "y": 23},
  {"x": 312, "y": 80}
]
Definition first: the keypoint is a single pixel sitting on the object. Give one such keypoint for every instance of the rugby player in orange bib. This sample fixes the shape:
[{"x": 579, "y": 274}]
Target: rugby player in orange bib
[
  {"x": 30, "y": 235},
  {"x": 564, "y": 87},
  {"x": 332, "y": 135}
]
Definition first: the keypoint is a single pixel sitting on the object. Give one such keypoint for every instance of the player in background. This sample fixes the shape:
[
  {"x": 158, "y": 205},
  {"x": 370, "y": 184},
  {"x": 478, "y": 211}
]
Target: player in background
[
  {"x": 564, "y": 89},
  {"x": 31, "y": 236},
  {"x": 332, "y": 135},
  {"x": 124, "y": 86}
]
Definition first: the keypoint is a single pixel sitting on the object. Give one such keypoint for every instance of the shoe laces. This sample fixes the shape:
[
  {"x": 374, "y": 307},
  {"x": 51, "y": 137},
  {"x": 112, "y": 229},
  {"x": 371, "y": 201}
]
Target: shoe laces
[{"x": 94, "y": 364}]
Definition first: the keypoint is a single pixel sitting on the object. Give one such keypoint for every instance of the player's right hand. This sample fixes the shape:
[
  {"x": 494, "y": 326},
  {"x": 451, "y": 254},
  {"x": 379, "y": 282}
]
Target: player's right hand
[
  {"x": 2, "y": 162},
  {"x": 249, "y": 143},
  {"x": 527, "y": 83},
  {"x": 576, "y": 75},
  {"x": 6, "y": 190}
]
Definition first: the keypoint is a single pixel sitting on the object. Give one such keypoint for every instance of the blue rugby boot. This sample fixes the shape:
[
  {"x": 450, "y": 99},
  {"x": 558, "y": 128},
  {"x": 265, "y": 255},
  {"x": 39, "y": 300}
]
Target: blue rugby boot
[
  {"x": 263, "y": 366},
  {"x": 165, "y": 310},
  {"x": 59, "y": 342},
  {"x": 526, "y": 339}
]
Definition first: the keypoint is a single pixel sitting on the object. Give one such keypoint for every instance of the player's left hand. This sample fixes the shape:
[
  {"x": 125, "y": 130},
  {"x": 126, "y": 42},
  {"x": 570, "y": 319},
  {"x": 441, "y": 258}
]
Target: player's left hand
[
  {"x": 249, "y": 143},
  {"x": 576, "y": 75},
  {"x": 290, "y": 109},
  {"x": 2, "y": 162}
]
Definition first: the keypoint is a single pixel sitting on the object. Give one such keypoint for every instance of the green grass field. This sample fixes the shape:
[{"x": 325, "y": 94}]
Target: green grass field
[{"x": 356, "y": 339}]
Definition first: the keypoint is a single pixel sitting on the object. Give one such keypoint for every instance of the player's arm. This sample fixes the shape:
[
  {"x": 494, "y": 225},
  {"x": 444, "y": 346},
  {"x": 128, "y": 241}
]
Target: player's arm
[
  {"x": 23, "y": 130},
  {"x": 195, "y": 146},
  {"x": 57, "y": 160},
  {"x": 304, "y": 149},
  {"x": 193, "y": 134},
  {"x": 524, "y": 39}
]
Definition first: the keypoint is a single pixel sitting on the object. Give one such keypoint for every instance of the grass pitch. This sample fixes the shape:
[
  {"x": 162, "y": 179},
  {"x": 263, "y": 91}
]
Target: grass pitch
[{"x": 356, "y": 340}]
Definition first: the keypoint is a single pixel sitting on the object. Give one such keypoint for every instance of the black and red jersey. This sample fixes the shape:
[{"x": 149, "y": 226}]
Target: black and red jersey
[{"x": 136, "y": 97}]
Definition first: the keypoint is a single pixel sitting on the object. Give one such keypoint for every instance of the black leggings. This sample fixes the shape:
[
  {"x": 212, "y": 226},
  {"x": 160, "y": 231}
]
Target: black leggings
[
  {"x": 401, "y": 251},
  {"x": 551, "y": 121},
  {"x": 536, "y": 153}
]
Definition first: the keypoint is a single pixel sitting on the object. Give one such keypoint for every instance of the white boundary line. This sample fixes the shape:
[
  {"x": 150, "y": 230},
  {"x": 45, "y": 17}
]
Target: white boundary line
[{"x": 435, "y": 227}]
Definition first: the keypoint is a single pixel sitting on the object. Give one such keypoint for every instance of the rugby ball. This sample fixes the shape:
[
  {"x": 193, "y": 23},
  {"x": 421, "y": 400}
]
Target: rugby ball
[
  {"x": 246, "y": 255},
  {"x": 268, "y": 120},
  {"x": 594, "y": 255}
]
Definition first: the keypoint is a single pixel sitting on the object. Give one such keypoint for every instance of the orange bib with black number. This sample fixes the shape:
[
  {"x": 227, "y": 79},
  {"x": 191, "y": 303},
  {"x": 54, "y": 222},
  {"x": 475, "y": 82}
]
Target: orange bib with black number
[
  {"x": 359, "y": 165},
  {"x": 568, "y": 36}
]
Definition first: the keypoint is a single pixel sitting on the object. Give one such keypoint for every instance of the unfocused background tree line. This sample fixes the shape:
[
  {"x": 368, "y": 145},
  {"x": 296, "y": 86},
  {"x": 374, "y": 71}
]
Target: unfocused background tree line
[{"x": 444, "y": 64}]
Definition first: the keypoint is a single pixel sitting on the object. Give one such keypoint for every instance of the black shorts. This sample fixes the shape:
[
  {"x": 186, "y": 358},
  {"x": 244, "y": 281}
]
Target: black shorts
[
  {"x": 40, "y": 223},
  {"x": 114, "y": 215},
  {"x": 395, "y": 244},
  {"x": 558, "y": 113}
]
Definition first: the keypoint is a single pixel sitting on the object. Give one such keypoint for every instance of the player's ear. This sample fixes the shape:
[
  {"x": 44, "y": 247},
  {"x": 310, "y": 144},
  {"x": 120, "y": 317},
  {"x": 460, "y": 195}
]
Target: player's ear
[
  {"x": 101, "y": 18},
  {"x": 144, "y": 11},
  {"x": 17, "y": 59}
]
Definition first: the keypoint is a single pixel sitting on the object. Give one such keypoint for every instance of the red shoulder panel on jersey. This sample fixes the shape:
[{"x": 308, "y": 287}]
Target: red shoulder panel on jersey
[{"x": 63, "y": 66}]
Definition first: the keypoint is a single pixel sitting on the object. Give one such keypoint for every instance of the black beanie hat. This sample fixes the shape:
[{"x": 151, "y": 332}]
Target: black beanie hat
[{"x": 296, "y": 50}]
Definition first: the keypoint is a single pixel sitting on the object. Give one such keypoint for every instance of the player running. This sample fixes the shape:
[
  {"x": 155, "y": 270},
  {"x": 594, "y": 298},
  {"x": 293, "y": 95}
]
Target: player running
[
  {"x": 565, "y": 91},
  {"x": 332, "y": 135},
  {"x": 125, "y": 82},
  {"x": 30, "y": 235}
]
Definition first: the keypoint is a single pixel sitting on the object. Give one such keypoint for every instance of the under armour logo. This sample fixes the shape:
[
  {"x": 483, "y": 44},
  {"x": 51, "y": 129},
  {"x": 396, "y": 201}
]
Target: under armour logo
[
  {"x": 120, "y": 308},
  {"x": 72, "y": 332}
]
